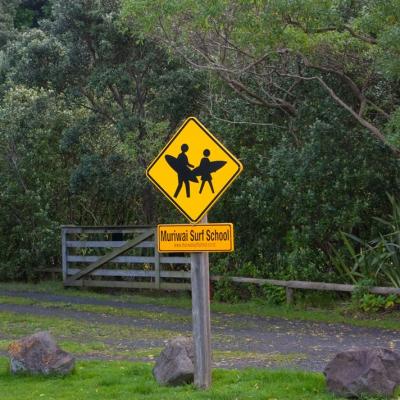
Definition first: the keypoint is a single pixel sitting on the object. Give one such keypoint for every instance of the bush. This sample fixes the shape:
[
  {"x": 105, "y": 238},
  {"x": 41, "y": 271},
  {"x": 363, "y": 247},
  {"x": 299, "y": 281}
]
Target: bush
[
  {"x": 377, "y": 260},
  {"x": 275, "y": 295},
  {"x": 226, "y": 291}
]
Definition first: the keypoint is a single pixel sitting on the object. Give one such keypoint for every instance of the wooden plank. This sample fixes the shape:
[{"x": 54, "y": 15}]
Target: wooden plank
[
  {"x": 175, "y": 260},
  {"x": 175, "y": 286},
  {"x": 94, "y": 229},
  {"x": 64, "y": 255},
  {"x": 201, "y": 318},
  {"x": 256, "y": 281},
  {"x": 320, "y": 286},
  {"x": 119, "y": 259},
  {"x": 105, "y": 244},
  {"x": 384, "y": 290},
  {"x": 130, "y": 273},
  {"x": 110, "y": 284},
  {"x": 127, "y": 285},
  {"x": 175, "y": 274},
  {"x": 108, "y": 257},
  {"x": 129, "y": 259}
]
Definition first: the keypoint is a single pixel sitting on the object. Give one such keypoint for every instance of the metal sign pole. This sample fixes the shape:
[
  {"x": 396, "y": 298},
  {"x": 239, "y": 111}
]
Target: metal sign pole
[{"x": 201, "y": 317}]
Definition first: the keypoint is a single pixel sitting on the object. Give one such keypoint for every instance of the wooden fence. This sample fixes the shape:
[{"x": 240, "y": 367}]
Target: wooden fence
[
  {"x": 94, "y": 246},
  {"x": 120, "y": 257}
]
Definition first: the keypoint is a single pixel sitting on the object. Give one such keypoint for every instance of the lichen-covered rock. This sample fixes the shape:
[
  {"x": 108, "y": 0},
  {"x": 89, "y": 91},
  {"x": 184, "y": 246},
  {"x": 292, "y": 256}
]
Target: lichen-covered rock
[
  {"x": 39, "y": 354},
  {"x": 370, "y": 371},
  {"x": 175, "y": 366}
]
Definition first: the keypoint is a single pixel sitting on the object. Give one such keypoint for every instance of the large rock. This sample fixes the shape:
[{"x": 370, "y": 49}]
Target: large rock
[
  {"x": 39, "y": 354},
  {"x": 372, "y": 371},
  {"x": 175, "y": 366}
]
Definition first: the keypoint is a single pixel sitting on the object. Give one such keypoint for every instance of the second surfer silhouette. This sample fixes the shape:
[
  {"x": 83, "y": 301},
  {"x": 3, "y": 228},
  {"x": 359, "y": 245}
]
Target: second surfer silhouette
[
  {"x": 205, "y": 170},
  {"x": 186, "y": 175}
]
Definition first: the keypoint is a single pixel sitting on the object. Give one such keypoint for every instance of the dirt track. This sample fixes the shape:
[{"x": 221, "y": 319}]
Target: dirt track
[{"x": 268, "y": 342}]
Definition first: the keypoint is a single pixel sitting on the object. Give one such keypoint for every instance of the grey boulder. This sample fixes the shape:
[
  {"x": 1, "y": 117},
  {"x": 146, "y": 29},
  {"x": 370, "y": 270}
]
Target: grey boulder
[
  {"x": 175, "y": 365},
  {"x": 366, "y": 371},
  {"x": 39, "y": 354}
]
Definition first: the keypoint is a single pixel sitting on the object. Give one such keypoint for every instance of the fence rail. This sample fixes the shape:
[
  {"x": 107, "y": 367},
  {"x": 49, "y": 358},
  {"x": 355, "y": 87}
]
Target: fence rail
[
  {"x": 291, "y": 285},
  {"x": 152, "y": 274}
]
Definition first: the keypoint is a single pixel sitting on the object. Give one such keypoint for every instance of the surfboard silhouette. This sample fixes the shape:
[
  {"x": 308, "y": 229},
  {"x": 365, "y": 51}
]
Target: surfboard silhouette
[
  {"x": 213, "y": 166},
  {"x": 176, "y": 166}
]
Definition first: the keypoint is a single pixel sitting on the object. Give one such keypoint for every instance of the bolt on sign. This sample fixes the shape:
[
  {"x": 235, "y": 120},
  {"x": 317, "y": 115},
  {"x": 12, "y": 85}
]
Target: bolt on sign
[
  {"x": 184, "y": 238},
  {"x": 194, "y": 169}
]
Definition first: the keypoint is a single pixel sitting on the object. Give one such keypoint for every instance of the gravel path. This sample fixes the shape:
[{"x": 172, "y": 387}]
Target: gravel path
[{"x": 272, "y": 342}]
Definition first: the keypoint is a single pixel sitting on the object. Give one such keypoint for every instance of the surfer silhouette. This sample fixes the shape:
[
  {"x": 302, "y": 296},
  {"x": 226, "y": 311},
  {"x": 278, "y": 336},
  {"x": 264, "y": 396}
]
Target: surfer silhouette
[
  {"x": 182, "y": 167},
  {"x": 205, "y": 169},
  {"x": 186, "y": 175}
]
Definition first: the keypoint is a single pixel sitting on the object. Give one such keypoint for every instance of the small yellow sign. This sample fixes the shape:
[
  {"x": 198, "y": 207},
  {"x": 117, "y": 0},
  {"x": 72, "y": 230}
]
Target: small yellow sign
[
  {"x": 193, "y": 169},
  {"x": 195, "y": 238}
]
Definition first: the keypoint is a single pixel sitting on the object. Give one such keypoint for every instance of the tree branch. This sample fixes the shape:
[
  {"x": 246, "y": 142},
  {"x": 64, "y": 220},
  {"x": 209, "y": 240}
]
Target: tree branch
[
  {"x": 366, "y": 124},
  {"x": 353, "y": 86},
  {"x": 368, "y": 39},
  {"x": 255, "y": 99}
]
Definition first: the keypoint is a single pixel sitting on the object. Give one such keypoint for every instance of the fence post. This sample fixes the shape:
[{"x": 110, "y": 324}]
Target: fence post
[
  {"x": 156, "y": 262},
  {"x": 64, "y": 254},
  {"x": 289, "y": 295},
  {"x": 201, "y": 317}
]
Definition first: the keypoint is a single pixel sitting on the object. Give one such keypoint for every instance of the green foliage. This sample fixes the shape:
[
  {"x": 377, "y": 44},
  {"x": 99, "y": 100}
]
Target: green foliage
[
  {"x": 300, "y": 187},
  {"x": 30, "y": 12},
  {"x": 7, "y": 15},
  {"x": 361, "y": 289},
  {"x": 368, "y": 302},
  {"x": 108, "y": 94},
  {"x": 274, "y": 295},
  {"x": 83, "y": 110},
  {"x": 374, "y": 303},
  {"x": 33, "y": 179},
  {"x": 263, "y": 50},
  {"x": 377, "y": 259},
  {"x": 226, "y": 291}
]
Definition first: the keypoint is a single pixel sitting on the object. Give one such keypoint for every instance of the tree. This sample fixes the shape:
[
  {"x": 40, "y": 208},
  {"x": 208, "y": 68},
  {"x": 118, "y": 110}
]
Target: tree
[
  {"x": 7, "y": 14},
  {"x": 84, "y": 108},
  {"x": 30, "y": 12},
  {"x": 270, "y": 52},
  {"x": 34, "y": 195},
  {"x": 125, "y": 84},
  {"x": 299, "y": 187}
]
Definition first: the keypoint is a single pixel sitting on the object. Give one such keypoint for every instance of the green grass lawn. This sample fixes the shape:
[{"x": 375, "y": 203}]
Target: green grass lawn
[
  {"x": 114, "y": 380},
  {"x": 336, "y": 314}
]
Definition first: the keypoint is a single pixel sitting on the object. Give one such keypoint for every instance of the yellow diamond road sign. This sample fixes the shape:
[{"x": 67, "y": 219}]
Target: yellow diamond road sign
[{"x": 194, "y": 169}]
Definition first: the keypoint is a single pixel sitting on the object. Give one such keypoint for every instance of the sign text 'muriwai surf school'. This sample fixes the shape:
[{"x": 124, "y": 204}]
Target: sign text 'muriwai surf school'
[{"x": 195, "y": 238}]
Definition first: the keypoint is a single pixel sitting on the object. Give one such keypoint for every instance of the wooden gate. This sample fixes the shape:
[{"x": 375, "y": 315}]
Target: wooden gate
[{"x": 104, "y": 256}]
